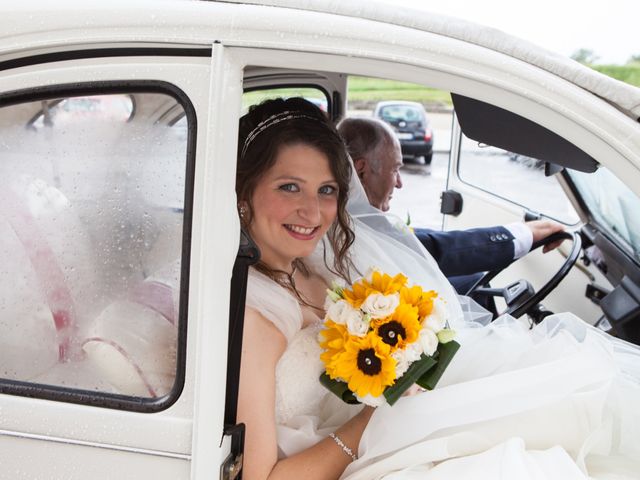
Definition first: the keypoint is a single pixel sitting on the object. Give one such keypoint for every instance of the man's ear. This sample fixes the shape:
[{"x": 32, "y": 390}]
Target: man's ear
[{"x": 360, "y": 164}]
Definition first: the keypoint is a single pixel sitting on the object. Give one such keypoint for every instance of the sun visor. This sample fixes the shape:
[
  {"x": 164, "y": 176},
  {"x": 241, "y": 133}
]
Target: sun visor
[{"x": 501, "y": 128}]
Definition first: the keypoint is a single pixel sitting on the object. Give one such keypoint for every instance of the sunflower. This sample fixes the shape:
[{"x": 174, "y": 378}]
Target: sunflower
[
  {"x": 399, "y": 329},
  {"x": 332, "y": 339},
  {"x": 379, "y": 283},
  {"x": 357, "y": 294},
  {"x": 386, "y": 284},
  {"x": 419, "y": 298},
  {"x": 366, "y": 365}
]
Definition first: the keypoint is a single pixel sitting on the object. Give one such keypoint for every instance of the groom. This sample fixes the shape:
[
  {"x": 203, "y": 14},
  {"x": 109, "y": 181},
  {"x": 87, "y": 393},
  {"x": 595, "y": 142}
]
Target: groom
[{"x": 461, "y": 255}]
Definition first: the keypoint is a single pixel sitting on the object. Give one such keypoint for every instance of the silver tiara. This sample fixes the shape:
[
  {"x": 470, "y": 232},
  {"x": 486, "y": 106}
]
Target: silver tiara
[{"x": 270, "y": 122}]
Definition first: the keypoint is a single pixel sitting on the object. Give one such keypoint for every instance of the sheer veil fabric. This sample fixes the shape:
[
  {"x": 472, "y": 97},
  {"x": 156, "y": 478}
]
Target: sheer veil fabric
[{"x": 559, "y": 401}]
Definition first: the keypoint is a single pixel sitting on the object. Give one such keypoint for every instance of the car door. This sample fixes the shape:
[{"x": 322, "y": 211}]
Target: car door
[
  {"x": 100, "y": 148},
  {"x": 490, "y": 185}
]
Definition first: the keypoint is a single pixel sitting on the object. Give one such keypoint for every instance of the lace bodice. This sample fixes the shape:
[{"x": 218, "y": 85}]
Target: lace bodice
[{"x": 298, "y": 391}]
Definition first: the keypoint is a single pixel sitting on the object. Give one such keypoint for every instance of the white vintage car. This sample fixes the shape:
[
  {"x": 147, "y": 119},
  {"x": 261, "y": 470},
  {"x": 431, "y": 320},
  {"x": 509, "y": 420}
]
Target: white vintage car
[{"x": 120, "y": 306}]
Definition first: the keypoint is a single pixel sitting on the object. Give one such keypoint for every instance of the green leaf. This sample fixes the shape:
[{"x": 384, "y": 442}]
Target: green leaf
[
  {"x": 446, "y": 352},
  {"x": 415, "y": 371},
  {"x": 339, "y": 388}
]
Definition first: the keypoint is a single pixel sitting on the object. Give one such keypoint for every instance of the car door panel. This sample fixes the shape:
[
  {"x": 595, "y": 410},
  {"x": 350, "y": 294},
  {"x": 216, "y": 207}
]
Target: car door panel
[{"x": 64, "y": 422}]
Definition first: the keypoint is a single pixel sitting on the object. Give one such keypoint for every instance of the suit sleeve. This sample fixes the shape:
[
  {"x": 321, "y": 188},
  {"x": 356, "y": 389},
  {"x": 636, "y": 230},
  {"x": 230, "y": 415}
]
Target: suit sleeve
[{"x": 469, "y": 251}]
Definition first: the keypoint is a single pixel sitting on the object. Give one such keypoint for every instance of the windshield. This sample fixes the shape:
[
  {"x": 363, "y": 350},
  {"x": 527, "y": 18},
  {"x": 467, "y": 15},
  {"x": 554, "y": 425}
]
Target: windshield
[
  {"x": 400, "y": 112},
  {"x": 612, "y": 205}
]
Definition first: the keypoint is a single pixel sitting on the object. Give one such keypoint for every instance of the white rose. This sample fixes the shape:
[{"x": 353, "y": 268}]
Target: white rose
[
  {"x": 343, "y": 313},
  {"x": 357, "y": 324},
  {"x": 380, "y": 306},
  {"x": 404, "y": 358},
  {"x": 413, "y": 351},
  {"x": 428, "y": 341},
  {"x": 437, "y": 320},
  {"x": 339, "y": 311},
  {"x": 402, "y": 362}
]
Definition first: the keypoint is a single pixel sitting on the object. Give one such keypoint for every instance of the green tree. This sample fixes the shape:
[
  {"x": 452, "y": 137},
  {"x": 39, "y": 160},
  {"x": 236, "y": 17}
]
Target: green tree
[
  {"x": 584, "y": 55},
  {"x": 634, "y": 59}
]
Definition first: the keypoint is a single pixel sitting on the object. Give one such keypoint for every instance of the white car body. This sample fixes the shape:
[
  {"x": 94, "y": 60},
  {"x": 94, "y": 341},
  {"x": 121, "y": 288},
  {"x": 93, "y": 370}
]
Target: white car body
[{"x": 204, "y": 49}]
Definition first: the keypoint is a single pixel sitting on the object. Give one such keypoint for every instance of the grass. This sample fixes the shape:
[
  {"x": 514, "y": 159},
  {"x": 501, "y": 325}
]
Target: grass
[
  {"x": 625, "y": 73},
  {"x": 364, "y": 92},
  {"x": 367, "y": 91}
]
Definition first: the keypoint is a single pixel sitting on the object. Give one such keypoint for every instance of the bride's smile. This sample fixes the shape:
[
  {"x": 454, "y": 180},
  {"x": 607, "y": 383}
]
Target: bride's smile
[
  {"x": 301, "y": 233},
  {"x": 294, "y": 204}
]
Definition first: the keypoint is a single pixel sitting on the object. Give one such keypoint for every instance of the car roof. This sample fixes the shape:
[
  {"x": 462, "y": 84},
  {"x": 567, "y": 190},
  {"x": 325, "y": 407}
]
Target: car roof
[
  {"x": 36, "y": 24},
  {"x": 623, "y": 96}
]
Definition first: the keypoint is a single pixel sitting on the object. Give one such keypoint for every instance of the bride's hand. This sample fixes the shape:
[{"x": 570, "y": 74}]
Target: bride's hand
[{"x": 413, "y": 390}]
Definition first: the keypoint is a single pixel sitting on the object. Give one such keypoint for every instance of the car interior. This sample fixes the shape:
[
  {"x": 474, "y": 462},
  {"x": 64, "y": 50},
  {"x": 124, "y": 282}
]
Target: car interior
[
  {"x": 609, "y": 271},
  {"x": 603, "y": 245},
  {"x": 611, "y": 262}
]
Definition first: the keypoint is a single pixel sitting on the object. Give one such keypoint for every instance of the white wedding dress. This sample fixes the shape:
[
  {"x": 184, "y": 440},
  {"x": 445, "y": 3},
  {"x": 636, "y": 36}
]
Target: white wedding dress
[{"x": 560, "y": 401}]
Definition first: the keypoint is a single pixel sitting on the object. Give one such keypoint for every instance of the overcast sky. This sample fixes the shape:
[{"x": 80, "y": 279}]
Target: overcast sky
[{"x": 608, "y": 27}]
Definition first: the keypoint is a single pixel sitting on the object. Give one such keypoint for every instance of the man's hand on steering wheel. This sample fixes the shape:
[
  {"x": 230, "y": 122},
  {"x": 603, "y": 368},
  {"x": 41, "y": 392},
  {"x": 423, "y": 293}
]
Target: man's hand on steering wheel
[
  {"x": 520, "y": 296},
  {"x": 542, "y": 229}
]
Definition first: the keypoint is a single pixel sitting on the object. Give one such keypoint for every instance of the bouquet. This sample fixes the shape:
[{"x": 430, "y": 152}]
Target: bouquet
[{"x": 380, "y": 336}]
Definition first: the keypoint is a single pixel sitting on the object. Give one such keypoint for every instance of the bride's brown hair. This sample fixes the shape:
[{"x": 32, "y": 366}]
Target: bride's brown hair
[{"x": 276, "y": 123}]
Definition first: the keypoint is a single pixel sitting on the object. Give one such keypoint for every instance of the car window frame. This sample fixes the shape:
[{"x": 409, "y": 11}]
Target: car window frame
[
  {"x": 330, "y": 101},
  {"x": 457, "y": 137}
]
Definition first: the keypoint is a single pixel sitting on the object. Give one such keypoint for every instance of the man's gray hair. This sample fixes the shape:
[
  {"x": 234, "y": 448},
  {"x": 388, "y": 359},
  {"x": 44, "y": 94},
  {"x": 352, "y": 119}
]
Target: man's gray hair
[{"x": 364, "y": 137}]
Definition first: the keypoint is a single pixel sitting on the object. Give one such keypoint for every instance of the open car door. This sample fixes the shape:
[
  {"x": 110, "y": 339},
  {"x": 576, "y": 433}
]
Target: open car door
[{"x": 493, "y": 150}]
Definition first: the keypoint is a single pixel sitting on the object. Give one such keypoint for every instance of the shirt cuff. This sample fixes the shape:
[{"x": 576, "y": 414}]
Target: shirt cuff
[{"x": 522, "y": 238}]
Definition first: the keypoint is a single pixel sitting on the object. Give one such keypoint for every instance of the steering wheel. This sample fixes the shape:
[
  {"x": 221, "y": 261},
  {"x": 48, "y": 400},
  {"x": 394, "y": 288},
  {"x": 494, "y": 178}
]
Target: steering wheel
[{"x": 520, "y": 296}]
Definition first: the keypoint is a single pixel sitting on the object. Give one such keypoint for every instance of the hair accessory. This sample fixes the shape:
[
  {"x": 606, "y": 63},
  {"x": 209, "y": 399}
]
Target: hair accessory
[
  {"x": 344, "y": 448},
  {"x": 270, "y": 122}
]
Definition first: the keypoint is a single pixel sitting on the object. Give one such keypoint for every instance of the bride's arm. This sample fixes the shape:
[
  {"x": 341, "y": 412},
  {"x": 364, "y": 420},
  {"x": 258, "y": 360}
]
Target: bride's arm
[{"x": 262, "y": 346}]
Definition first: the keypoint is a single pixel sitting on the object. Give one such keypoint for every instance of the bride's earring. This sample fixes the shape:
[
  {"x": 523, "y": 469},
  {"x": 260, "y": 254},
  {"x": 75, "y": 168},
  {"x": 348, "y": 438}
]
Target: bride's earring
[{"x": 242, "y": 210}]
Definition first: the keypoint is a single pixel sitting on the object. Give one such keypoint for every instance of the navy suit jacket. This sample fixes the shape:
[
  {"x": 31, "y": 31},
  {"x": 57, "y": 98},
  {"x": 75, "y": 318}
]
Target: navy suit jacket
[{"x": 463, "y": 252}]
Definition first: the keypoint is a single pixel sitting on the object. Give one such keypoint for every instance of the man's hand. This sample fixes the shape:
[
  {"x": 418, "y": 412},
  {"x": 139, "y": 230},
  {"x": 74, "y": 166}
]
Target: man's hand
[{"x": 542, "y": 229}]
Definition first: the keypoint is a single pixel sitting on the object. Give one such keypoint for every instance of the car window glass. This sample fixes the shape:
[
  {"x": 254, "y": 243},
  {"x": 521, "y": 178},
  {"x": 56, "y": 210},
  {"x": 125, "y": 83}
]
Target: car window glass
[
  {"x": 399, "y": 112},
  {"x": 65, "y": 110},
  {"x": 613, "y": 206},
  {"x": 421, "y": 119},
  {"x": 498, "y": 171},
  {"x": 91, "y": 215}
]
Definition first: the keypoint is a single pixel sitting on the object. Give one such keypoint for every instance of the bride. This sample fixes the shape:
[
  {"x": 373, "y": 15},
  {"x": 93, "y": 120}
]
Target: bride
[{"x": 559, "y": 401}]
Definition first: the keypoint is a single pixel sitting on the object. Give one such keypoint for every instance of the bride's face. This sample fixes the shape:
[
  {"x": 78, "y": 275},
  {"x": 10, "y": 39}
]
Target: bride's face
[{"x": 293, "y": 204}]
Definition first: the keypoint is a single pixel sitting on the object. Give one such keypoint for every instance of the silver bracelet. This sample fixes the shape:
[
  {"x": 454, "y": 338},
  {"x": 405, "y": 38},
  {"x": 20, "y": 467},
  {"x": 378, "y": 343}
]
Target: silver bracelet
[{"x": 344, "y": 448}]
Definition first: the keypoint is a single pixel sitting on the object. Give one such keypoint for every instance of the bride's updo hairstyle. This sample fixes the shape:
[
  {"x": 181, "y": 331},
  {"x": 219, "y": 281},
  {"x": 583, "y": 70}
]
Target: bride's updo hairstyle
[{"x": 276, "y": 123}]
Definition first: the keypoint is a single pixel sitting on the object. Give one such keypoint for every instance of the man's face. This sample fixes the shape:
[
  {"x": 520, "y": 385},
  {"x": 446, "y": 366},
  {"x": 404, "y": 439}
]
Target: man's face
[{"x": 379, "y": 184}]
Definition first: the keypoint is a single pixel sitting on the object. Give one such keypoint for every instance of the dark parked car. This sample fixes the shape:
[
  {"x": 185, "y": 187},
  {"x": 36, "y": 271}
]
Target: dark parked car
[{"x": 412, "y": 127}]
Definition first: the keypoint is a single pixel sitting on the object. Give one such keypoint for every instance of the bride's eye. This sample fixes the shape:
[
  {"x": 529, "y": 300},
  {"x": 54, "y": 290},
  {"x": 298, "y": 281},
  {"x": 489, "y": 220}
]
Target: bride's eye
[
  {"x": 289, "y": 187},
  {"x": 328, "y": 190}
]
